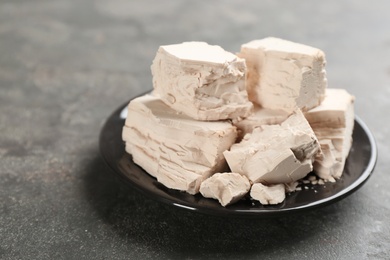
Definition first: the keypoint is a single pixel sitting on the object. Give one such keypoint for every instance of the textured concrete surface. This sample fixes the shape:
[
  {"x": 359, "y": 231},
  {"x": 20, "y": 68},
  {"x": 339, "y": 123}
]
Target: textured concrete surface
[{"x": 66, "y": 65}]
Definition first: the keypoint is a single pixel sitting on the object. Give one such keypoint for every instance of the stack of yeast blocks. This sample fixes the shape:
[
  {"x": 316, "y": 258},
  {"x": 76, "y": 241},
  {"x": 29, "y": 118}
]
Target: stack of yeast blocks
[
  {"x": 230, "y": 125},
  {"x": 180, "y": 133}
]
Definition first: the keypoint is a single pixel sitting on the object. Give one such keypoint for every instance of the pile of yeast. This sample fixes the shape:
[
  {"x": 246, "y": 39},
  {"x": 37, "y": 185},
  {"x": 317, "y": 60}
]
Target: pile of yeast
[{"x": 229, "y": 126}]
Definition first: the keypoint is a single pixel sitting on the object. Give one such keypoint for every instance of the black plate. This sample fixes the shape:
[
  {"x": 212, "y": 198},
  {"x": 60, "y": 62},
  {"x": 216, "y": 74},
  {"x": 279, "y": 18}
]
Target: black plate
[{"x": 358, "y": 168}]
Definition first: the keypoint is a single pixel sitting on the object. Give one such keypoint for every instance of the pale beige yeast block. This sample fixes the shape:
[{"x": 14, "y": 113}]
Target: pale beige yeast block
[
  {"x": 202, "y": 81},
  {"x": 333, "y": 123},
  {"x": 275, "y": 154},
  {"x": 176, "y": 149},
  {"x": 284, "y": 74}
]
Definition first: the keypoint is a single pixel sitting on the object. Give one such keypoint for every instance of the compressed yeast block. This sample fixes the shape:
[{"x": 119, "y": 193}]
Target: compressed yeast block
[
  {"x": 176, "y": 149},
  {"x": 284, "y": 74},
  {"x": 226, "y": 187},
  {"x": 275, "y": 154},
  {"x": 202, "y": 81},
  {"x": 333, "y": 123}
]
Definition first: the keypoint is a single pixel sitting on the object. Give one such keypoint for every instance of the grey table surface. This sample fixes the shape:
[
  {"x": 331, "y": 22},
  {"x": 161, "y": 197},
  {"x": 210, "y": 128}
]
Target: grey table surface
[{"x": 66, "y": 65}]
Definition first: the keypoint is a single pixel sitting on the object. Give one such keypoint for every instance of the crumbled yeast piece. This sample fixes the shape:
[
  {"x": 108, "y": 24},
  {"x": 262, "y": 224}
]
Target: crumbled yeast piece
[
  {"x": 333, "y": 123},
  {"x": 275, "y": 154},
  {"x": 291, "y": 187},
  {"x": 176, "y": 149},
  {"x": 273, "y": 194},
  {"x": 226, "y": 187},
  {"x": 202, "y": 81},
  {"x": 283, "y": 74}
]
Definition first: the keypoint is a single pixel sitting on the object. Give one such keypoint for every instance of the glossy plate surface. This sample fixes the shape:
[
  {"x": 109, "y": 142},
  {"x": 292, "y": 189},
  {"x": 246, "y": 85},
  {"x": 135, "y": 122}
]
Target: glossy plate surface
[{"x": 358, "y": 168}]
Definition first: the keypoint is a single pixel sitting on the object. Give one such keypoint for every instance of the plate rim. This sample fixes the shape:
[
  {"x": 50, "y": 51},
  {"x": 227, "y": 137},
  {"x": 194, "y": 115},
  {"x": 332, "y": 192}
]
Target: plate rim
[{"x": 223, "y": 211}]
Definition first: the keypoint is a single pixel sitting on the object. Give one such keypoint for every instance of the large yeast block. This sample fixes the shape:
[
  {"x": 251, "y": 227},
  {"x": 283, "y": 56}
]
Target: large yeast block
[
  {"x": 202, "y": 81},
  {"x": 283, "y": 74},
  {"x": 179, "y": 151},
  {"x": 333, "y": 123},
  {"x": 275, "y": 154}
]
